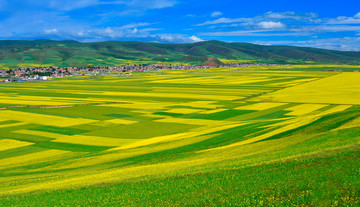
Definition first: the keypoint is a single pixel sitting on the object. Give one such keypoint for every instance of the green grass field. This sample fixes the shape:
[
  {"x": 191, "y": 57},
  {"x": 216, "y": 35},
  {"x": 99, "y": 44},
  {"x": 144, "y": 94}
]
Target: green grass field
[{"x": 215, "y": 137}]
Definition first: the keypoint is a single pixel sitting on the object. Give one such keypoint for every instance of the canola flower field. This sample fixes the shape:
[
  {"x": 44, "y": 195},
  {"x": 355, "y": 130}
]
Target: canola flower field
[{"x": 174, "y": 138}]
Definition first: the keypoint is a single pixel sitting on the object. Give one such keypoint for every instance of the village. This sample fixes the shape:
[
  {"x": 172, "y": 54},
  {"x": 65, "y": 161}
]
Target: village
[{"x": 45, "y": 73}]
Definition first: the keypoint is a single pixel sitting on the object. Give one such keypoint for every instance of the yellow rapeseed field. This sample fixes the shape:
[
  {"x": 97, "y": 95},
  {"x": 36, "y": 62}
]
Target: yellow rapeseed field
[
  {"x": 184, "y": 111},
  {"x": 304, "y": 109},
  {"x": 260, "y": 106},
  {"x": 43, "y": 119},
  {"x": 79, "y": 139},
  {"x": 33, "y": 158},
  {"x": 162, "y": 123},
  {"x": 338, "y": 89},
  {"x": 6, "y": 144}
]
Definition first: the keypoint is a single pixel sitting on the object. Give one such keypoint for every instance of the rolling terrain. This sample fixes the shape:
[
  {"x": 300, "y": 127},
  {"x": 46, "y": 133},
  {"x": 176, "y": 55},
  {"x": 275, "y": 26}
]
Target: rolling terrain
[
  {"x": 18, "y": 53},
  {"x": 247, "y": 137}
]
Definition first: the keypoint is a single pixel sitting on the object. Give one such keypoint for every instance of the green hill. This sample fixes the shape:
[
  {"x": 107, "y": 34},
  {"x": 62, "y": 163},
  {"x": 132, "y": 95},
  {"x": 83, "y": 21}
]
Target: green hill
[{"x": 72, "y": 53}]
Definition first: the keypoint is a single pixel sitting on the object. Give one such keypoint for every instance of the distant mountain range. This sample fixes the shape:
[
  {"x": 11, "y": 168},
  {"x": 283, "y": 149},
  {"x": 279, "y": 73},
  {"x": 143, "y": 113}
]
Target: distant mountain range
[{"x": 73, "y": 53}]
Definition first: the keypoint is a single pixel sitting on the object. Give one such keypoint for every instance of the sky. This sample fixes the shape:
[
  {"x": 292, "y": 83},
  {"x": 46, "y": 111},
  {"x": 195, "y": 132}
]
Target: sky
[{"x": 331, "y": 24}]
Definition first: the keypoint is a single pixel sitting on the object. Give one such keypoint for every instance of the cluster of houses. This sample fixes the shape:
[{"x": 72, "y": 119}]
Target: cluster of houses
[
  {"x": 44, "y": 73},
  {"x": 32, "y": 73},
  {"x": 244, "y": 65}
]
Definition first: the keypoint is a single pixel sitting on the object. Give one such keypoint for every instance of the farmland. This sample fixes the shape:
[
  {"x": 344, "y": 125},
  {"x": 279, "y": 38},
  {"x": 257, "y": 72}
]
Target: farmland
[{"x": 197, "y": 137}]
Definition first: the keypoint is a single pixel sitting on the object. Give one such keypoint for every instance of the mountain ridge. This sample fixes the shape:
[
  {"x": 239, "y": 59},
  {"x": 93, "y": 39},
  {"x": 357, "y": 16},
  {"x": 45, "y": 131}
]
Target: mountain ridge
[{"x": 108, "y": 53}]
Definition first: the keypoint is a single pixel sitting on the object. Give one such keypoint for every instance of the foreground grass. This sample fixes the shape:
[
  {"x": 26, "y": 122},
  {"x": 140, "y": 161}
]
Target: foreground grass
[{"x": 325, "y": 179}]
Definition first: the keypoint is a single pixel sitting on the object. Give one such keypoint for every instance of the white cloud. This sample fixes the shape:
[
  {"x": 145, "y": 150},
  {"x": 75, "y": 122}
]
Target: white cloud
[
  {"x": 50, "y": 31},
  {"x": 216, "y": 14},
  {"x": 223, "y": 20},
  {"x": 195, "y": 39},
  {"x": 290, "y": 15},
  {"x": 306, "y": 23},
  {"x": 339, "y": 28},
  {"x": 267, "y": 17},
  {"x": 133, "y": 25},
  {"x": 126, "y": 33},
  {"x": 344, "y": 44},
  {"x": 253, "y": 33},
  {"x": 343, "y": 20},
  {"x": 279, "y": 15},
  {"x": 80, "y": 34},
  {"x": 271, "y": 25},
  {"x": 38, "y": 18},
  {"x": 328, "y": 28},
  {"x": 110, "y": 32},
  {"x": 175, "y": 38},
  {"x": 169, "y": 37},
  {"x": 115, "y": 33},
  {"x": 357, "y": 16}
]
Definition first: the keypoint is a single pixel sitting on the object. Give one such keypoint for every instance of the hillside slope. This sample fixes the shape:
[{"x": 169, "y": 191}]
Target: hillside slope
[{"x": 72, "y": 53}]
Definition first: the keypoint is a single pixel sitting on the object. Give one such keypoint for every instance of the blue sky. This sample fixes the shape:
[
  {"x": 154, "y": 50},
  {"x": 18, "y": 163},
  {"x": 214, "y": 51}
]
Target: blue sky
[{"x": 314, "y": 23}]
